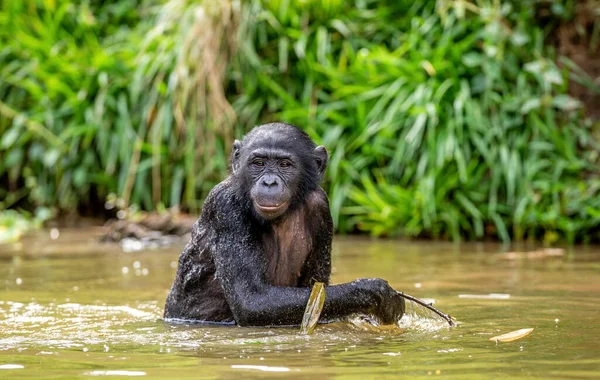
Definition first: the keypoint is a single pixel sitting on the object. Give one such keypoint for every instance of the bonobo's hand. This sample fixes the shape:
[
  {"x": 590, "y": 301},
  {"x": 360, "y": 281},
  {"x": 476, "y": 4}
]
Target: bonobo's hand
[{"x": 388, "y": 305}]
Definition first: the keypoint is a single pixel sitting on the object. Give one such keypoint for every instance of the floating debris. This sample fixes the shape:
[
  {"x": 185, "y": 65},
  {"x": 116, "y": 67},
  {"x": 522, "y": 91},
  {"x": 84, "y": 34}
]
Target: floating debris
[
  {"x": 148, "y": 231},
  {"x": 513, "y": 335}
]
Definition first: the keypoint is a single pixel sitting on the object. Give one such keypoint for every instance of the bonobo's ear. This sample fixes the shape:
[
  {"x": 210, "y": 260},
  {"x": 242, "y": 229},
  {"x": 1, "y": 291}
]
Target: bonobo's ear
[
  {"x": 235, "y": 155},
  {"x": 322, "y": 157}
]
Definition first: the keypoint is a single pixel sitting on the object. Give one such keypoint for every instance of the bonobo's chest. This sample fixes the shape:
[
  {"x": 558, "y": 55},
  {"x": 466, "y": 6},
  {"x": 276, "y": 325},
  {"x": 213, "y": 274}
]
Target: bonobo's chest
[{"x": 287, "y": 245}]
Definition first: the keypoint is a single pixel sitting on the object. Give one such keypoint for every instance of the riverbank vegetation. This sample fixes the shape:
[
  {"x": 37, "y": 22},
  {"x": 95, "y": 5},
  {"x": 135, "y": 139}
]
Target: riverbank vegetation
[{"x": 444, "y": 119}]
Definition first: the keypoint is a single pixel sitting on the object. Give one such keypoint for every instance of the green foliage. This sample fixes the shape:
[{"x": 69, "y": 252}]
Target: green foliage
[
  {"x": 102, "y": 99},
  {"x": 443, "y": 119},
  {"x": 63, "y": 69}
]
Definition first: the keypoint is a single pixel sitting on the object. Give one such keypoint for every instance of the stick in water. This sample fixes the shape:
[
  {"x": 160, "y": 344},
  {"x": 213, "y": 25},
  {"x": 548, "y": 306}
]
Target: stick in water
[{"x": 446, "y": 317}]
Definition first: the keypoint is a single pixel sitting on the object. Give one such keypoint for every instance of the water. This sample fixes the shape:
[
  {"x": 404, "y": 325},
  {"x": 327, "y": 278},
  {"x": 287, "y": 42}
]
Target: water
[{"x": 72, "y": 308}]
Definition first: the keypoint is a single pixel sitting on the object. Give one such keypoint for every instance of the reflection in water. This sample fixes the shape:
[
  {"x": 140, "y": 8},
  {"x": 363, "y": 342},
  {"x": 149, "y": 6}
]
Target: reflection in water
[{"x": 72, "y": 307}]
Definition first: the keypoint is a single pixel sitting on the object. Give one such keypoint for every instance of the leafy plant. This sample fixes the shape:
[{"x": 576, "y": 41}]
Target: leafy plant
[{"x": 444, "y": 119}]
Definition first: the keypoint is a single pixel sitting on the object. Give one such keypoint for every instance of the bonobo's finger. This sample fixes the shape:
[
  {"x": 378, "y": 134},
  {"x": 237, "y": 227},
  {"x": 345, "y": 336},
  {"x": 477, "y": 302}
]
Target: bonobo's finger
[
  {"x": 401, "y": 304},
  {"x": 392, "y": 309},
  {"x": 390, "y": 306}
]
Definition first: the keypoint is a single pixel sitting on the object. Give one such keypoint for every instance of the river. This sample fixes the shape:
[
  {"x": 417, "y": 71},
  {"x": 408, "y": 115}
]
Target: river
[{"x": 71, "y": 307}]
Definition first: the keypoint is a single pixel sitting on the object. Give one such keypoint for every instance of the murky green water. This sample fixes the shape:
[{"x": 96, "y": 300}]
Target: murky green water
[{"x": 72, "y": 308}]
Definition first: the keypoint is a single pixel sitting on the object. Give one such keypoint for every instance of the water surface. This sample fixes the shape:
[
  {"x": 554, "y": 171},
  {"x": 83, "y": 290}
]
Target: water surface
[{"x": 73, "y": 308}]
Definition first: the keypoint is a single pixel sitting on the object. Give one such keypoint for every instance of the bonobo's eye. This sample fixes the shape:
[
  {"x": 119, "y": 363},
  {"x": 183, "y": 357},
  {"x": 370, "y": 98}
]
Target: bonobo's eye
[
  {"x": 285, "y": 164},
  {"x": 258, "y": 162}
]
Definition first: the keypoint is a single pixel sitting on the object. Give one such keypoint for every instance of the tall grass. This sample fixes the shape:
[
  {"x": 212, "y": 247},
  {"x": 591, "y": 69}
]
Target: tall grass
[
  {"x": 122, "y": 102},
  {"x": 63, "y": 87},
  {"x": 446, "y": 119},
  {"x": 178, "y": 88}
]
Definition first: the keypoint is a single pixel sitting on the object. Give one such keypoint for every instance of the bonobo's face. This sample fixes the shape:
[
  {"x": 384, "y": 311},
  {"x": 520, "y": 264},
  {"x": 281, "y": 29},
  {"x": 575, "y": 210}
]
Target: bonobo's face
[
  {"x": 277, "y": 165},
  {"x": 275, "y": 175}
]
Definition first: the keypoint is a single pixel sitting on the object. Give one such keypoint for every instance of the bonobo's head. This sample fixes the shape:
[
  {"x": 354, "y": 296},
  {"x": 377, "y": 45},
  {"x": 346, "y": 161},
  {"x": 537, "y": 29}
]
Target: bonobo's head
[{"x": 276, "y": 166}]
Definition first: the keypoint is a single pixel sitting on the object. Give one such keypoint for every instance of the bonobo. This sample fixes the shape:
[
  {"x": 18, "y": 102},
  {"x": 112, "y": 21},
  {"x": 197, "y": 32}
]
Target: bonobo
[{"x": 264, "y": 238}]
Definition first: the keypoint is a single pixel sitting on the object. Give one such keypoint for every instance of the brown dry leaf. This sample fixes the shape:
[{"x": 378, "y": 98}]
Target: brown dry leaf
[
  {"x": 314, "y": 306},
  {"x": 513, "y": 335}
]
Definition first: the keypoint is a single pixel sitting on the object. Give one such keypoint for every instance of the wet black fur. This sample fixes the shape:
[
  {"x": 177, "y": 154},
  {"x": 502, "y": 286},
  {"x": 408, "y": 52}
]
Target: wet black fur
[{"x": 224, "y": 272}]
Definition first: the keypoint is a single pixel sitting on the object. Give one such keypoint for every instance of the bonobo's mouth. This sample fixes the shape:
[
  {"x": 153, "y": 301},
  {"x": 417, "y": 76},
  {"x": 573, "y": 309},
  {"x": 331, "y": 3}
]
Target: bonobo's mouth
[{"x": 271, "y": 210}]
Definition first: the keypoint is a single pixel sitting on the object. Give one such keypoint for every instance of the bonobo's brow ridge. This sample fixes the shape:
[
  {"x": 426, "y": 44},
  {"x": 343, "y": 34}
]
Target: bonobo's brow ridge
[{"x": 270, "y": 153}]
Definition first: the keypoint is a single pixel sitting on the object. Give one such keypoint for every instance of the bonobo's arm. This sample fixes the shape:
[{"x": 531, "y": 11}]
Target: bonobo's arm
[{"x": 241, "y": 269}]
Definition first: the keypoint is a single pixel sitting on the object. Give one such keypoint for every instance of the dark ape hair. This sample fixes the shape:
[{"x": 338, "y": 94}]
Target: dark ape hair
[{"x": 285, "y": 137}]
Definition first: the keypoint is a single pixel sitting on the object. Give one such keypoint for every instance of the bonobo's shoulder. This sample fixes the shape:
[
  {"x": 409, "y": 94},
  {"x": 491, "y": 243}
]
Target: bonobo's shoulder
[
  {"x": 318, "y": 200},
  {"x": 220, "y": 204},
  {"x": 317, "y": 207},
  {"x": 220, "y": 195}
]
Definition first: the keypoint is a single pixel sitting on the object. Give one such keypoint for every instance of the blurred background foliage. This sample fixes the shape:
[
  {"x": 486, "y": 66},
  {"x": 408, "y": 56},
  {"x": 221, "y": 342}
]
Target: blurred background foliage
[{"x": 445, "y": 119}]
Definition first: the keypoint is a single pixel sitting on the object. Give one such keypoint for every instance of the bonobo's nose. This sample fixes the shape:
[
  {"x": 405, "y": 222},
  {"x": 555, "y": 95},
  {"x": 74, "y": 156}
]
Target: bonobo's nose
[{"x": 270, "y": 180}]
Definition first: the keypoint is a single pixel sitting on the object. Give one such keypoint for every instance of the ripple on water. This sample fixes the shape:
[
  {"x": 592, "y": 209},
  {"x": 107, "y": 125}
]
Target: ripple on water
[
  {"x": 556, "y": 296},
  {"x": 72, "y": 325},
  {"x": 93, "y": 328}
]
